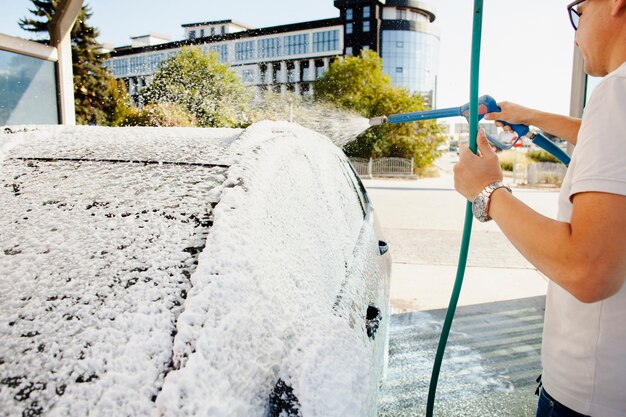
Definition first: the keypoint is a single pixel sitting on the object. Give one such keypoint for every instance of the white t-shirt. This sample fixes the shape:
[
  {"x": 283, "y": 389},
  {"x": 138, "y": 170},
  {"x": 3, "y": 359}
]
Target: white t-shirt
[{"x": 584, "y": 345}]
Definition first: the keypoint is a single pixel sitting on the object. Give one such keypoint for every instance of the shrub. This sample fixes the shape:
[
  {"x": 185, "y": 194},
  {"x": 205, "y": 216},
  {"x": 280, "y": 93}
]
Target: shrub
[
  {"x": 160, "y": 115},
  {"x": 510, "y": 158},
  {"x": 542, "y": 156}
]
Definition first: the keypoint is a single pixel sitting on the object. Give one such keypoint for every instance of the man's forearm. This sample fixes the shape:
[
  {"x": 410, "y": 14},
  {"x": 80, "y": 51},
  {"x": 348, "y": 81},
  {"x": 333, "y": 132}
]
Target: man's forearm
[
  {"x": 585, "y": 256},
  {"x": 561, "y": 126}
]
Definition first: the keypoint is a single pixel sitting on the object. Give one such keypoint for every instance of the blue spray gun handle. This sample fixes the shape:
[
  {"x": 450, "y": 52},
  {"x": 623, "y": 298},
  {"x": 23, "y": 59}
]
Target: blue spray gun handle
[{"x": 487, "y": 104}]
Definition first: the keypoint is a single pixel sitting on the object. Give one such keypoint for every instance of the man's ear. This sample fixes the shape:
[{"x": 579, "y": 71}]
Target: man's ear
[{"x": 618, "y": 7}]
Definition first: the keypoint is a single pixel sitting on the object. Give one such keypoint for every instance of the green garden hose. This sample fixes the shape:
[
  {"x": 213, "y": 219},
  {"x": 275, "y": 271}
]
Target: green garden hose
[{"x": 467, "y": 228}]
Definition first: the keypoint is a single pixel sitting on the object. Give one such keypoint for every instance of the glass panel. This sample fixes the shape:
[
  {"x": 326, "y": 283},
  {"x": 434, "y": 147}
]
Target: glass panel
[
  {"x": 326, "y": 41},
  {"x": 244, "y": 50},
  {"x": 296, "y": 44},
  {"x": 28, "y": 92},
  {"x": 417, "y": 53},
  {"x": 366, "y": 12}
]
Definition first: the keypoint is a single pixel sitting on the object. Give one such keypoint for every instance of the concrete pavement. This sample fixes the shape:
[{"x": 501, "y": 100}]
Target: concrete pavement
[{"x": 423, "y": 223}]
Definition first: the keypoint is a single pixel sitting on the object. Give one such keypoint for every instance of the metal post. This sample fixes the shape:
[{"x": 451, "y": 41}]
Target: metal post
[
  {"x": 369, "y": 168},
  {"x": 579, "y": 89},
  {"x": 61, "y": 38}
]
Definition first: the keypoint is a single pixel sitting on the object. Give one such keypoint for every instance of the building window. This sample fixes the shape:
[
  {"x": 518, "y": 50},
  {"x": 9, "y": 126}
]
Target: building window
[
  {"x": 120, "y": 67},
  {"x": 296, "y": 44},
  {"x": 366, "y": 12},
  {"x": 222, "y": 51},
  {"x": 291, "y": 72},
  {"x": 202, "y": 33},
  {"x": 223, "y": 30},
  {"x": 349, "y": 50},
  {"x": 247, "y": 76},
  {"x": 213, "y": 31},
  {"x": 192, "y": 34},
  {"x": 399, "y": 44},
  {"x": 348, "y": 28},
  {"x": 269, "y": 48},
  {"x": 366, "y": 47},
  {"x": 326, "y": 41},
  {"x": 244, "y": 50},
  {"x": 153, "y": 62},
  {"x": 349, "y": 14},
  {"x": 137, "y": 64},
  {"x": 366, "y": 26},
  {"x": 399, "y": 70},
  {"x": 319, "y": 69},
  {"x": 401, "y": 14}
]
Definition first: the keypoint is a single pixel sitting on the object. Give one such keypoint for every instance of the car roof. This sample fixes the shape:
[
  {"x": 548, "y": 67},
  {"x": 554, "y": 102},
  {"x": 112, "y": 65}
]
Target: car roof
[{"x": 101, "y": 231}]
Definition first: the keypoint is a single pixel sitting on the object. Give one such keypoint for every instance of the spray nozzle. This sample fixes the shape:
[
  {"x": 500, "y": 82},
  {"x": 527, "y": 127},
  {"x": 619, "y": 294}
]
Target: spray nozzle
[{"x": 380, "y": 120}]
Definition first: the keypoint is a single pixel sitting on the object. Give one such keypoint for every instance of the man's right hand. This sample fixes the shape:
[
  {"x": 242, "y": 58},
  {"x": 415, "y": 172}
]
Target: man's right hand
[{"x": 511, "y": 113}]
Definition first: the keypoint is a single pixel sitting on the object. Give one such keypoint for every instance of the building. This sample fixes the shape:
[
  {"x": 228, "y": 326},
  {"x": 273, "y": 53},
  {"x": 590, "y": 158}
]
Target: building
[{"x": 291, "y": 57}]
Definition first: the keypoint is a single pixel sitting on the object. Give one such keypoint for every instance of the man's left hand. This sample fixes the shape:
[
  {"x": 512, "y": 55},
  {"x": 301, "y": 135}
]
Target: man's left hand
[{"x": 474, "y": 172}]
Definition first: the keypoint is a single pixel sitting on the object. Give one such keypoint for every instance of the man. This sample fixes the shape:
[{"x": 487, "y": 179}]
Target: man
[{"x": 583, "y": 253}]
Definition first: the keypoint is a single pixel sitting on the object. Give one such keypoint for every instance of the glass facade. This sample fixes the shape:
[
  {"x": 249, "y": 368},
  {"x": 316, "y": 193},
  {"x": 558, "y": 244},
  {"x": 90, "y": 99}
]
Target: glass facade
[
  {"x": 139, "y": 65},
  {"x": 222, "y": 51},
  {"x": 296, "y": 44},
  {"x": 326, "y": 41},
  {"x": 412, "y": 60},
  {"x": 27, "y": 90},
  {"x": 269, "y": 48},
  {"x": 244, "y": 51},
  {"x": 120, "y": 67}
]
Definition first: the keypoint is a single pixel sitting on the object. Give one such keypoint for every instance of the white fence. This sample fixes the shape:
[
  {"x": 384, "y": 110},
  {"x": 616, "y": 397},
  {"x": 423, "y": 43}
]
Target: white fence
[
  {"x": 384, "y": 167},
  {"x": 546, "y": 173}
]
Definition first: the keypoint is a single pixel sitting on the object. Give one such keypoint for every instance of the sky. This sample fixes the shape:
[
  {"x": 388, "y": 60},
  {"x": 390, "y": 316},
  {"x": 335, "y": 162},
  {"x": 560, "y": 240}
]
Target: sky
[{"x": 526, "y": 53}]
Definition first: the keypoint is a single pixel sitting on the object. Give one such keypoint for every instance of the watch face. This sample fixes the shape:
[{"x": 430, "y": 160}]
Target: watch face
[{"x": 479, "y": 206}]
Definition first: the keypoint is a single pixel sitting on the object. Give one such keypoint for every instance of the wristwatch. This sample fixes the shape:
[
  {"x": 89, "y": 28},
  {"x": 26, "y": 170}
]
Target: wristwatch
[{"x": 480, "y": 205}]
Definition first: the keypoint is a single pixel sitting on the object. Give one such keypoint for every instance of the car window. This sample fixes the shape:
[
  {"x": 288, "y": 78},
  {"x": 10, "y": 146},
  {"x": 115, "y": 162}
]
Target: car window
[{"x": 355, "y": 185}]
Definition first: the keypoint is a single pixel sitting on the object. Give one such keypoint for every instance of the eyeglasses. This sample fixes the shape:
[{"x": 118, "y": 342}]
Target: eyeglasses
[{"x": 574, "y": 15}]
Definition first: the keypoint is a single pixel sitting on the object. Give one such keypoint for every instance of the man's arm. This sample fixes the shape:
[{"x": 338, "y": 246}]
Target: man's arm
[
  {"x": 562, "y": 126},
  {"x": 585, "y": 256}
]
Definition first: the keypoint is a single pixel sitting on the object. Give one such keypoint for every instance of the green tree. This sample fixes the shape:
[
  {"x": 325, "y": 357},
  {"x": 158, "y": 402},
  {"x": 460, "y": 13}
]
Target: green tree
[
  {"x": 159, "y": 115},
  {"x": 208, "y": 89},
  {"x": 117, "y": 106},
  {"x": 92, "y": 80},
  {"x": 359, "y": 84}
]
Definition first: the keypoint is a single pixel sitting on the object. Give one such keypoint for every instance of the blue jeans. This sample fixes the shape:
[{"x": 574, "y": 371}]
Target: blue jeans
[{"x": 549, "y": 407}]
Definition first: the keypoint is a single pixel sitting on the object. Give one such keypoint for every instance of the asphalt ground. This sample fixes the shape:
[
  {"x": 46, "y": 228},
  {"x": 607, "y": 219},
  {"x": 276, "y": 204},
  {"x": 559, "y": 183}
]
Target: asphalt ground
[{"x": 493, "y": 353}]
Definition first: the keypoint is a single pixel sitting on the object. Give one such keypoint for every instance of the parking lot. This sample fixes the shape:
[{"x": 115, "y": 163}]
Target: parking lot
[{"x": 493, "y": 353}]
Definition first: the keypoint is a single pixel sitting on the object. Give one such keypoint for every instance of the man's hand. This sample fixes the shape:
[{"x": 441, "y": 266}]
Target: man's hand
[
  {"x": 511, "y": 113},
  {"x": 474, "y": 172}
]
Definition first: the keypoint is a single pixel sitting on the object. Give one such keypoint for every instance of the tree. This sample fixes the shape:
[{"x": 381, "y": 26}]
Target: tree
[
  {"x": 209, "y": 90},
  {"x": 159, "y": 115},
  {"x": 359, "y": 84},
  {"x": 92, "y": 80}
]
